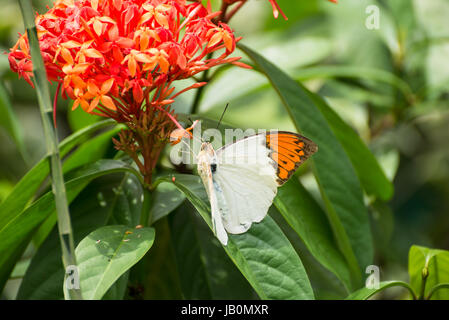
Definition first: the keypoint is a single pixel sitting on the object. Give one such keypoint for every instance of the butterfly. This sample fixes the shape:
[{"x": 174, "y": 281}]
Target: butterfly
[{"x": 241, "y": 178}]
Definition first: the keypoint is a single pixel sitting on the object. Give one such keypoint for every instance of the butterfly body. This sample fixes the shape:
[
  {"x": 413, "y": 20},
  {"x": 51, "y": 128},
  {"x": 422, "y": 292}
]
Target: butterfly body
[{"x": 241, "y": 179}]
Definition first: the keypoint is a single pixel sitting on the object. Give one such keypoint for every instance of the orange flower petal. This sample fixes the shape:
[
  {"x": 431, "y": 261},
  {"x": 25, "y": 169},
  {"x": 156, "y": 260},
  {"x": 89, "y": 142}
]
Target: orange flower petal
[
  {"x": 161, "y": 19},
  {"x": 93, "y": 104},
  {"x": 93, "y": 53},
  {"x": 98, "y": 27},
  {"x": 85, "y": 105},
  {"x": 132, "y": 66},
  {"x": 108, "y": 102},
  {"x": 71, "y": 44},
  {"x": 92, "y": 88},
  {"x": 66, "y": 55},
  {"x": 142, "y": 57},
  {"x": 216, "y": 38},
  {"x": 80, "y": 68},
  {"x": 75, "y": 104},
  {"x": 163, "y": 63},
  {"x": 106, "y": 86},
  {"x": 144, "y": 41},
  {"x": 227, "y": 39}
]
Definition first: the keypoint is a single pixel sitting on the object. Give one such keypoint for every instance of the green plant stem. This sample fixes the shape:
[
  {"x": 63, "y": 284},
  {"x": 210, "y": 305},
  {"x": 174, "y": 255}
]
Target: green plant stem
[
  {"x": 146, "y": 215},
  {"x": 436, "y": 288},
  {"x": 425, "y": 275},
  {"x": 45, "y": 106}
]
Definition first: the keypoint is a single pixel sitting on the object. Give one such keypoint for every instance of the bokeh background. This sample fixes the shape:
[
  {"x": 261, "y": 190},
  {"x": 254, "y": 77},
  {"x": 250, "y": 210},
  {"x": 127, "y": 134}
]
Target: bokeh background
[{"x": 391, "y": 84}]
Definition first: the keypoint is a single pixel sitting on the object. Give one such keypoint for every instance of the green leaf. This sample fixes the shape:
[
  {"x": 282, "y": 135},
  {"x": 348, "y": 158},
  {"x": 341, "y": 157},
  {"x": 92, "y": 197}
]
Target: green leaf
[
  {"x": 428, "y": 268},
  {"x": 324, "y": 283},
  {"x": 334, "y": 172},
  {"x": 16, "y": 234},
  {"x": 30, "y": 183},
  {"x": 370, "y": 173},
  {"x": 309, "y": 221},
  {"x": 263, "y": 254},
  {"x": 118, "y": 290},
  {"x": 204, "y": 269},
  {"x": 91, "y": 150},
  {"x": 107, "y": 253},
  {"x": 356, "y": 72},
  {"x": 366, "y": 293},
  {"x": 9, "y": 122},
  {"x": 111, "y": 199},
  {"x": 166, "y": 199}
]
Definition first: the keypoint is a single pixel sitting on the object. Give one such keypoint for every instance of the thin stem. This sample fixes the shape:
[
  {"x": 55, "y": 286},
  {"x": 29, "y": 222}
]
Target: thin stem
[
  {"x": 46, "y": 110},
  {"x": 55, "y": 103},
  {"x": 235, "y": 10},
  {"x": 222, "y": 16},
  {"x": 436, "y": 288},
  {"x": 425, "y": 275},
  {"x": 146, "y": 215}
]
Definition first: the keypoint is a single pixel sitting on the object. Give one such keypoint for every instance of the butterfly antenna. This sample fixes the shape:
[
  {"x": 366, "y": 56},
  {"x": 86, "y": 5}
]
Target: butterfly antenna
[{"x": 222, "y": 115}]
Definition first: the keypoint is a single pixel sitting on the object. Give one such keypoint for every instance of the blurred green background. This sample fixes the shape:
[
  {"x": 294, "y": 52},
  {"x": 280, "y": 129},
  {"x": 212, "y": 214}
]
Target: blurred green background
[{"x": 390, "y": 84}]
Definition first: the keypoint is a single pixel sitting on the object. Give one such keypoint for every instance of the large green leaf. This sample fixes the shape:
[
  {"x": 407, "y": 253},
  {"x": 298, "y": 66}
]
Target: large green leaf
[
  {"x": 16, "y": 234},
  {"x": 166, "y": 199},
  {"x": 204, "y": 269},
  {"x": 431, "y": 265},
  {"x": 357, "y": 72},
  {"x": 30, "y": 183},
  {"x": 106, "y": 254},
  {"x": 324, "y": 283},
  {"x": 309, "y": 221},
  {"x": 366, "y": 293},
  {"x": 263, "y": 254},
  {"x": 370, "y": 173},
  {"x": 335, "y": 174},
  {"x": 111, "y": 199}
]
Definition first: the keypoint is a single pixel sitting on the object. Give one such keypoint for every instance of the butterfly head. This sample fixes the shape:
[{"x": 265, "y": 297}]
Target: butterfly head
[{"x": 206, "y": 157}]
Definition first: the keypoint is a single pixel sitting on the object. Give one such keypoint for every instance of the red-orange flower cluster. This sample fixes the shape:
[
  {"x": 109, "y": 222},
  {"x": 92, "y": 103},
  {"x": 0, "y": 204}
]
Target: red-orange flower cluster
[{"x": 110, "y": 55}]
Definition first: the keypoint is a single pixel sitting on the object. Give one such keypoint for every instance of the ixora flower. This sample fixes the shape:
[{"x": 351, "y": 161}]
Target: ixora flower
[{"x": 120, "y": 59}]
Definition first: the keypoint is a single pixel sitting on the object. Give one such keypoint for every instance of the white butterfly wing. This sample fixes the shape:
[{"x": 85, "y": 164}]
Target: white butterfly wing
[{"x": 245, "y": 183}]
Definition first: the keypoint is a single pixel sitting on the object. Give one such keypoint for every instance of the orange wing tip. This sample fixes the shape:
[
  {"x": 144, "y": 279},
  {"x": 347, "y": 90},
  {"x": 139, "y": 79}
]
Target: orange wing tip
[{"x": 289, "y": 150}]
